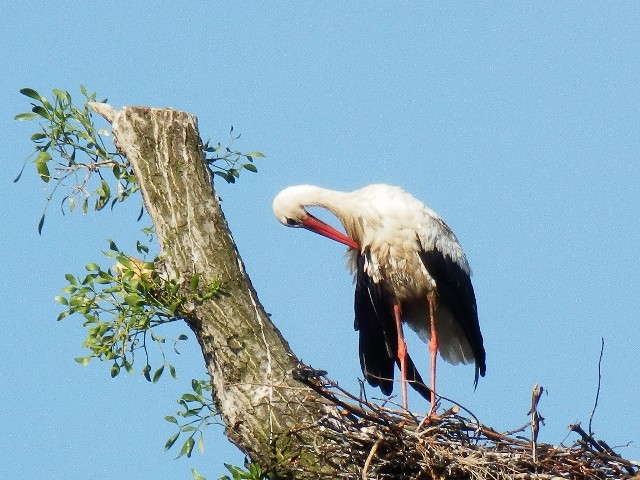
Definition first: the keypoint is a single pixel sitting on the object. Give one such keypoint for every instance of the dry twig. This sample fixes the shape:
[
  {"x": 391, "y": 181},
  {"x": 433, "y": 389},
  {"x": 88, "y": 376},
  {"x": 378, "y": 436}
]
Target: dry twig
[{"x": 384, "y": 443}]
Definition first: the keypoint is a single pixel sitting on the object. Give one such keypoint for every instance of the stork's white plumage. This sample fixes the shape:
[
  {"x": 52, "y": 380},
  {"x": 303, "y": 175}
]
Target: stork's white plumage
[{"x": 408, "y": 266}]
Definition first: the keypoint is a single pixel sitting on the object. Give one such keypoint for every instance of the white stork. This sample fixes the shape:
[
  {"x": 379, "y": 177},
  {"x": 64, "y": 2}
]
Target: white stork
[{"x": 408, "y": 266}]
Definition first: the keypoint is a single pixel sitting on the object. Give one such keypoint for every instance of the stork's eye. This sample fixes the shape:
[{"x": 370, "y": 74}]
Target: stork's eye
[{"x": 292, "y": 222}]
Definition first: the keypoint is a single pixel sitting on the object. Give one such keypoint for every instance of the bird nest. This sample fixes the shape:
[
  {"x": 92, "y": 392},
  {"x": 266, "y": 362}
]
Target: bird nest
[{"x": 380, "y": 442}]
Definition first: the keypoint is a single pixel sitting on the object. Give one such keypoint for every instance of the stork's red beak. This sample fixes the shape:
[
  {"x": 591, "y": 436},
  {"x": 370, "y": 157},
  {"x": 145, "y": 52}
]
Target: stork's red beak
[{"x": 321, "y": 228}]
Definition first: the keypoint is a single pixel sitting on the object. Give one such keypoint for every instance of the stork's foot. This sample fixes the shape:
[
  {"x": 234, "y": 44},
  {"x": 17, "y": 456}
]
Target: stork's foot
[
  {"x": 434, "y": 406},
  {"x": 431, "y": 419}
]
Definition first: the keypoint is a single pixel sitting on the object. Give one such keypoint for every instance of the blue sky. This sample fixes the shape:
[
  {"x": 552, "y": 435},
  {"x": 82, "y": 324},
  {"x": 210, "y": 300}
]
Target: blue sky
[{"x": 519, "y": 124}]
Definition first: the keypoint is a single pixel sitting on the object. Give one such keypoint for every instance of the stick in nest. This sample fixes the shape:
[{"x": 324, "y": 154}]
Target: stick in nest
[{"x": 376, "y": 441}]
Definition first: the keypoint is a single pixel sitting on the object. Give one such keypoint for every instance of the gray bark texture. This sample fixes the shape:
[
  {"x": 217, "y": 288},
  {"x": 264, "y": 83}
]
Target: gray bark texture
[{"x": 265, "y": 410}]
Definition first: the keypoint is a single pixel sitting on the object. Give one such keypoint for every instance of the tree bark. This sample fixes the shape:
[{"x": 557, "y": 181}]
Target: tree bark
[{"x": 249, "y": 362}]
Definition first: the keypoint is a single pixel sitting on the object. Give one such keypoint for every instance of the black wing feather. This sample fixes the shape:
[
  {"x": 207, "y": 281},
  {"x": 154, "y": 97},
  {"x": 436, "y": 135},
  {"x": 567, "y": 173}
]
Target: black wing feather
[
  {"x": 455, "y": 290},
  {"x": 378, "y": 340}
]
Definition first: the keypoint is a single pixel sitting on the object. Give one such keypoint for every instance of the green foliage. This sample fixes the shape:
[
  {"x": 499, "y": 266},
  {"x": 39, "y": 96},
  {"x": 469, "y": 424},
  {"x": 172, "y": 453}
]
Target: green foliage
[
  {"x": 226, "y": 162},
  {"x": 196, "y": 475},
  {"x": 71, "y": 152},
  {"x": 252, "y": 472},
  {"x": 123, "y": 308},
  {"x": 197, "y": 413}
]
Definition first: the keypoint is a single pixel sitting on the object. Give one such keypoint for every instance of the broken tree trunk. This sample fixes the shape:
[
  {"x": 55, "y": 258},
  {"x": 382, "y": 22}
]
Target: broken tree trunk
[{"x": 249, "y": 362}]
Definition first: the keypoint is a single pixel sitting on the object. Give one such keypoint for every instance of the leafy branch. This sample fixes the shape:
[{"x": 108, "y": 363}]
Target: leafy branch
[
  {"x": 253, "y": 472},
  {"x": 71, "y": 152},
  {"x": 198, "y": 412},
  {"x": 125, "y": 305},
  {"x": 226, "y": 162}
]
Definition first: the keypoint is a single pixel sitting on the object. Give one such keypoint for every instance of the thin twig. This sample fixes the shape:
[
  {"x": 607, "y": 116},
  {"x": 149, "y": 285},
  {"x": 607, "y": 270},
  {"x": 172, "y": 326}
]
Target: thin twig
[{"x": 595, "y": 405}]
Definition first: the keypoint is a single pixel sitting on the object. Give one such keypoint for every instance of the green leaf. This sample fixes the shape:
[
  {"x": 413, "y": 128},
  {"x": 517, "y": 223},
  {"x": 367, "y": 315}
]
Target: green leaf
[
  {"x": 255, "y": 470},
  {"x": 115, "y": 370},
  {"x": 43, "y": 157},
  {"x": 193, "y": 282},
  {"x": 158, "y": 374},
  {"x": 104, "y": 193},
  {"x": 235, "y": 471},
  {"x": 201, "y": 443},
  {"x": 29, "y": 92},
  {"x": 171, "y": 419},
  {"x": 61, "y": 95},
  {"x": 256, "y": 155},
  {"x": 69, "y": 289},
  {"x": 104, "y": 186},
  {"x": 171, "y": 441},
  {"x": 42, "y": 112},
  {"x": 196, "y": 475},
  {"x": 127, "y": 366},
  {"x": 88, "y": 279},
  {"x": 187, "y": 448},
  {"x": 41, "y": 165},
  {"x": 225, "y": 175},
  {"x": 125, "y": 262},
  {"x": 182, "y": 336},
  {"x": 172, "y": 371},
  {"x": 84, "y": 361},
  {"x": 23, "y": 117},
  {"x": 146, "y": 372},
  {"x": 61, "y": 300},
  {"x": 250, "y": 167},
  {"x": 134, "y": 300},
  {"x": 101, "y": 202},
  {"x": 196, "y": 386},
  {"x": 20, "y": 174},
  {"x": 45, "y": 103},
  {"x": 37, "y": 136},
  {"x": 92, "y": 267},
  {"x": 142, "y": 248},
  {"x": 40, "y": 224}
]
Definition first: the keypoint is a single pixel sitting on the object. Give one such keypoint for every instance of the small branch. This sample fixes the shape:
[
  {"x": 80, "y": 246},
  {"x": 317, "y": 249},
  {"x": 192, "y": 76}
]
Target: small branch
[{"x": 595, "y": 405}]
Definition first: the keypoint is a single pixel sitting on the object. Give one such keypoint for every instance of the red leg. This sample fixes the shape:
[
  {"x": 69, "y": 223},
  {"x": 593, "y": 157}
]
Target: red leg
[
  {"x": 433, "y": 348},
  {"x": 402, "y": 354}
]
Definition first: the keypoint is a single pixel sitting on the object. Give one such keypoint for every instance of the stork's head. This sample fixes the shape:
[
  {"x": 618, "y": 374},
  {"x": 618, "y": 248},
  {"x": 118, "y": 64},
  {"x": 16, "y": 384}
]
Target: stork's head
[{"x": 289, "y": 209}]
